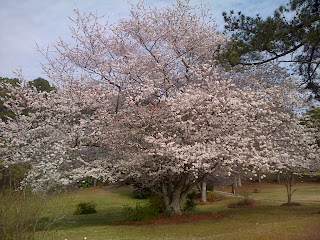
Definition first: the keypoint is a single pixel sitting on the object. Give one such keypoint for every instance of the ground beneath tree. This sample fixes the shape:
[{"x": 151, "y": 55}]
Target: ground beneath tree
[
  {"x": 291, "y": 204},
  {"x": 210, "y": 200},
  {"x": 178, "y": 219}
]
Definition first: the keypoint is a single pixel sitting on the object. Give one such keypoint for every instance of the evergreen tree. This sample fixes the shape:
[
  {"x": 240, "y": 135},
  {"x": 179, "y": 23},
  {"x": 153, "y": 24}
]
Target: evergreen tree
[
  {"x": 5, "y": 112},
  {"x": 293, "y": 30},
  {"x": 41, "y": 85}
]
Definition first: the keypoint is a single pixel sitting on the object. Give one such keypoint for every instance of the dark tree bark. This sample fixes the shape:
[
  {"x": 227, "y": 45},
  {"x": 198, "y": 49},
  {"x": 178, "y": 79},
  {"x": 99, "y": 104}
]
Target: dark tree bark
[
  {"x": 173, "y": 192},
  {"x": 289, "y": 182}
]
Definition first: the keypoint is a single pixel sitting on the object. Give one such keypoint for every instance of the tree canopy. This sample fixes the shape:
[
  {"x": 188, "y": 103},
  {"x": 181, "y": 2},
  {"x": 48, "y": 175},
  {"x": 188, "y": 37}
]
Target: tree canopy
[
  {"x": 4, "y": 111},
  {"x": 292, "y": 32},
  {"x": 39, "y": 83}
]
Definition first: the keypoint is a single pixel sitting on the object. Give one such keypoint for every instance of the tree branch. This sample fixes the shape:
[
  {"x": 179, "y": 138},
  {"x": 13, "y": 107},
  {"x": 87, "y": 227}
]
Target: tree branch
[{"x": 273, "y": 58}]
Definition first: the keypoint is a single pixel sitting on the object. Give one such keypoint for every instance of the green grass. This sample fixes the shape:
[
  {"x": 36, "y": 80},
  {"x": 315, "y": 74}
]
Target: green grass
[
  {"x": 266, "y": 221},
  {"x": 272, "y": 191}
]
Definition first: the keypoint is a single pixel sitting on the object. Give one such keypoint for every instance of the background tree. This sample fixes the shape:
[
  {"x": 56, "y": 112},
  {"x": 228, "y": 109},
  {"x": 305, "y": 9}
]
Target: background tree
[
  {"x": 293, "y": 31},
  {"x": 293, "y": 141},
  {"x": 12, "y": 175},
  {"x": 41, "y": 85},
  {"x": 314, "y": 121},
  {"x": 4, "y": 112}
]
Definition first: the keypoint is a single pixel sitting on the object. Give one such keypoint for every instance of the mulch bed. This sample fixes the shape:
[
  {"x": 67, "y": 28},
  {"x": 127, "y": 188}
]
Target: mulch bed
[
  {"x": 292, "y": 204},
  {"x": 178, "y": 219}
]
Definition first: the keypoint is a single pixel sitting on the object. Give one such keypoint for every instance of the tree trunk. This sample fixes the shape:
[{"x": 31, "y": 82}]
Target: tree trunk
[
  {"x": 234, "y": 185},
  {"x": 94, "y": 182},
  {"x": 239, "y": 180},
  {"x": 203, "y": 191},
  {"x": 172, "y": 207},
  {"x": 289, "y": 181},
  {"x": 172, "y": 195},
  {"x": 259, "y": 177},
  {"x": 289, "y": 197},
  {"x": 173, "y": 192},
  {"x": 278, "y": 178}
]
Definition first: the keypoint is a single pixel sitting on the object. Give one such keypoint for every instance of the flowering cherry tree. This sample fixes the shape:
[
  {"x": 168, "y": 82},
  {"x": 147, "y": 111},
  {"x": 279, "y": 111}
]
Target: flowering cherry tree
[
  {"x": 145, "y": 100},
  {"x": 59, "y": 130}
]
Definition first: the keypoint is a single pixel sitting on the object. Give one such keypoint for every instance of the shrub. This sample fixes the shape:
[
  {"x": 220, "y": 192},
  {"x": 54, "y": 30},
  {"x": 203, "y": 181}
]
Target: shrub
[
  {"x": 242, "y": 203},
  {"x": 85, "y": 208},
  {"x": 139, "y": 212},
  {"x": 141, "y": 193},
  {"x": 146, "y": 211},
  {"x": 213, "y": 196},
  {"x": 156, "y": 203},
  {"x": 245, "y": 194},
  {"x": 190, "y": 205},
  {"x": 210, "y": 188},
  {"x": 192, "y": 195},
  {"x": 85, "y": 183},
  {"x": 22, "y": 215}
]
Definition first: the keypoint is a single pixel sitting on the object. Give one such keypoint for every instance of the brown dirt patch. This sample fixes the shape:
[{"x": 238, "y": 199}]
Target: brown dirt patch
[
  {"x": 178, "y": 219},
  {"x": 292, "y": 204}
]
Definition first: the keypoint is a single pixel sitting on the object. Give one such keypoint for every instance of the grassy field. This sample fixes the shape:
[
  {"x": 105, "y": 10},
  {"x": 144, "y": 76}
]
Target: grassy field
[
  {"x": 268, "y": 220},
  {"x": 277, "y": 192}
]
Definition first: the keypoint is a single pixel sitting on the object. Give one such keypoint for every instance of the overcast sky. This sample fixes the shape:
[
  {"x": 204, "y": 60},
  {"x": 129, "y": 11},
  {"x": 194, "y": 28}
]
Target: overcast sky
[{"x": 23, "y": 23}]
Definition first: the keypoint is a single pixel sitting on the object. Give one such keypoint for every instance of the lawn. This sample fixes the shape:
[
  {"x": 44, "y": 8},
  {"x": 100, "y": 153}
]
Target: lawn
[
  {"x": 268, "y": 220},
  {"x": 276, "y": 192}
]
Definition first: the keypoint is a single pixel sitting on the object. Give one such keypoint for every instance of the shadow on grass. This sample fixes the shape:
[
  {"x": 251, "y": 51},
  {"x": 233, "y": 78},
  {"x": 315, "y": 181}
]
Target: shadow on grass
[{"x": 102, "y": 218}]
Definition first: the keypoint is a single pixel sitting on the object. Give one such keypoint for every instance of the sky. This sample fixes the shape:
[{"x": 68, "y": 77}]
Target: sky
[{"x": 25, "y": 23}]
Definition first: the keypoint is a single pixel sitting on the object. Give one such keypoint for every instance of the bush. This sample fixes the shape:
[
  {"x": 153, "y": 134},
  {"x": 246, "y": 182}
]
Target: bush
[
  {"x": 86, "y": 183},
  {"x": 156, "y": 203},
  {"x": 22, "y": 215},
  {"x": 211, "y": 197},
  {"x": 214, "y": 195},
  {"x": 242, "y": 203},
  {"x": 141, "y": 193},
  {"x": 144, "y": 211},
  {"x": 139, "y": 212},
  {"x": 192, "y": 195},
  {"x": 210, "y": 188},
  {"x": 190, "y": 204},
  {"x": 85, "y": 208}
]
